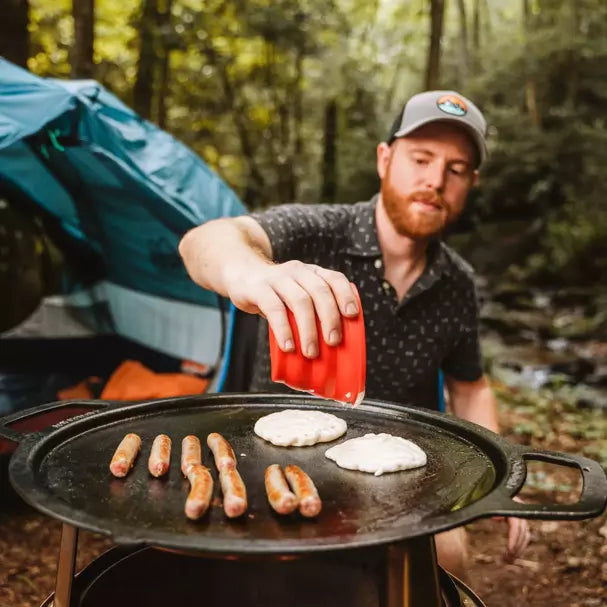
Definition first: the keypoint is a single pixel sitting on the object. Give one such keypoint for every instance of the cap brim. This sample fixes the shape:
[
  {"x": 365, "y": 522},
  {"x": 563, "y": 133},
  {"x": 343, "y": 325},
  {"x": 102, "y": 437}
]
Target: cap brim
[{"x": 478, "y": 139}]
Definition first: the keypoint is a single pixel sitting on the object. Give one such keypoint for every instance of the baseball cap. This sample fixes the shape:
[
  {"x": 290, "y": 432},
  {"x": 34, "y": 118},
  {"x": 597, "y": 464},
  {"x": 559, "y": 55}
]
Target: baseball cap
[{"x": 441, "y": 106}]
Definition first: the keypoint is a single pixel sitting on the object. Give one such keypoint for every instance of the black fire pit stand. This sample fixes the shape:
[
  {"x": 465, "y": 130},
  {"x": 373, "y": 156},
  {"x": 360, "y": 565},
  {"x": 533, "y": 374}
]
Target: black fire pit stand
[{"x": 411, "y": 572}]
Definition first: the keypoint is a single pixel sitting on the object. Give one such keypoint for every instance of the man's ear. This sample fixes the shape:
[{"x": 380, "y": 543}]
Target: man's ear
[
  {"x": 475, "y": 178},
  {"x": 383, "y": 158}
]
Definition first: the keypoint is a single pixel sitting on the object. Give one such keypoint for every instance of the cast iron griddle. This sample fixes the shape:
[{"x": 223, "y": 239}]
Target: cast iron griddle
[{"x": 470, "y": 473}]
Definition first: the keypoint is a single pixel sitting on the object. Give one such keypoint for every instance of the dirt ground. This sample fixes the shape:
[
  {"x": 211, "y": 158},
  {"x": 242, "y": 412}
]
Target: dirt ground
[{"x": 564, "y": 566}]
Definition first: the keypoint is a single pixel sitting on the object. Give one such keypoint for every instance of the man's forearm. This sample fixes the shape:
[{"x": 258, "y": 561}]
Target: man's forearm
[
  {"x": 475, "y": 402},
  {"x": 215, "y": 252}
]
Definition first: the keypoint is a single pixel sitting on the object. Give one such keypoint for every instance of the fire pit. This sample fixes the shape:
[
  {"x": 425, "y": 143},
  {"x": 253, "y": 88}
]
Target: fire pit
[{"x": 373, "y": 530}]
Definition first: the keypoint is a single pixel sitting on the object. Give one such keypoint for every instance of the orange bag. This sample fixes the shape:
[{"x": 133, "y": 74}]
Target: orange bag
[{"x": 132, "y": 381}]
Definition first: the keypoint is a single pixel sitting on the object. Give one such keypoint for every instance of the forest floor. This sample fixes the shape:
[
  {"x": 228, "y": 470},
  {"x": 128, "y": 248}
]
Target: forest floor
[{"x": 564, "y": 566}]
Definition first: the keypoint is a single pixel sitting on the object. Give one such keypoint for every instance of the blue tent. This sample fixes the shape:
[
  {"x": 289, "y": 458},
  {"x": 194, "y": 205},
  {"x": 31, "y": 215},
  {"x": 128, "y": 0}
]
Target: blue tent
[{"x": 128, "y": 191}]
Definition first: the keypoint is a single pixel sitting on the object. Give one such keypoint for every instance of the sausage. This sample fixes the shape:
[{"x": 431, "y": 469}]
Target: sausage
[
  {"x": 234, "y": 492},
  {"x": 303, "y": 487},
  {"x": 222, "y": 451},
  {"x": 191, "y": 453},
  {"x": 160, "y": 455},
  {"x": 125, "y": 454},
  {"x": 281, "y": 498},
  {"x": 201, "y": 490}
]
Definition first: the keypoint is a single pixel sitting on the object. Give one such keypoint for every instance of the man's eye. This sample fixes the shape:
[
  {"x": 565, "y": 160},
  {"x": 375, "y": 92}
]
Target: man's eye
[
  {"x": 421, "y": 161},
  {"x": 456, "y": 171}
]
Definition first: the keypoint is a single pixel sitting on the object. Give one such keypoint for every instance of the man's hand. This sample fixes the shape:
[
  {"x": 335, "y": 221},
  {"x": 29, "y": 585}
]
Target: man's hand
[
  {"x": 233, "y": 256},
  {"x": 518, "y": 535},
  {"x": 307, "y": 290}
]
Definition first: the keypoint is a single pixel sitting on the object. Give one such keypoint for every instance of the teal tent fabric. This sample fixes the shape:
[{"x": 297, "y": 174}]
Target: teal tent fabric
[{"x": 123, "y": 187}]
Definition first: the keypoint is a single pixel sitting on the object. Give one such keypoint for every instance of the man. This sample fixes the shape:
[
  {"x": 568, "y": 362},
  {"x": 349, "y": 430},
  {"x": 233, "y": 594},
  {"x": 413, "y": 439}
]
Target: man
[{"x": 417, "y": 295}]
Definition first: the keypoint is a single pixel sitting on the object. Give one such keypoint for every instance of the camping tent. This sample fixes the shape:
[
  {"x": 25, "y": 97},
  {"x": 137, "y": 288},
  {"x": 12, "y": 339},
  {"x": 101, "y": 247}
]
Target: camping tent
[{"x": 127, "y": 191}]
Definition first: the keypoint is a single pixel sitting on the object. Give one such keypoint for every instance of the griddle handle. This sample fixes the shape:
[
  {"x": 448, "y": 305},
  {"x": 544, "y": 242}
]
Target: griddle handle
[
  {"x": 14, "y": 418},
  {"x": 591, "y": 503}
]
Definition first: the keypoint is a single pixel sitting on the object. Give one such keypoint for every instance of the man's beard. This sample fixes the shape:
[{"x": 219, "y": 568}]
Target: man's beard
[{"x": 410, "y": 222}]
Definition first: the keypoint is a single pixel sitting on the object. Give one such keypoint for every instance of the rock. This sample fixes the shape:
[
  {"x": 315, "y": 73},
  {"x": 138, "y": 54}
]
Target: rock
[
  {"x": 507, "y": 322},
  {"x": 573, "y": 563},
  {"x": 575, "y": 325},
  {"x": 549, "y": 526}
]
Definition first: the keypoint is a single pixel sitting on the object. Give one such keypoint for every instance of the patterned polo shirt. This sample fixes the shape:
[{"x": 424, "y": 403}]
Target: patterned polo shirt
[{"x": 435, "y": 326}]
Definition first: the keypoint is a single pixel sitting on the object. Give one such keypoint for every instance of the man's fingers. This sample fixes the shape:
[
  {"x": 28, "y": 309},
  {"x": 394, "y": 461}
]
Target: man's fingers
[
  {"x": 308, "y": 291},
  {"x": 274, "y": 310},
  {"x": 342, "y": 290},
  {"x": 300, "y": 303},
  {"x": 324, "y": 302},
  {"x": 518, "y": 536}
]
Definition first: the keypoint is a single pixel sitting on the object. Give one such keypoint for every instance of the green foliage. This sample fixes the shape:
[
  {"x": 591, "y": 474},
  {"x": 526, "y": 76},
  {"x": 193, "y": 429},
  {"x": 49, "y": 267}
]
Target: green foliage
[
  {"x": 249, "y": 82},
  {"x": 574, "y": 245},
  {"x": 546, "y": 103},
  {"x": 554, "y": 419}
]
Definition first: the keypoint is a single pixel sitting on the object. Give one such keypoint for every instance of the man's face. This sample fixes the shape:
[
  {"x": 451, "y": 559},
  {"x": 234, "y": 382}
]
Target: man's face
[{"x": 425, "y": 178}]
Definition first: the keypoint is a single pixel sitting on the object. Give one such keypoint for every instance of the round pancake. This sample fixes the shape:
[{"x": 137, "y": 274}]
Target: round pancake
[
  {"x": 299, "y": 428},
  {"x": 377, "y": 453}
]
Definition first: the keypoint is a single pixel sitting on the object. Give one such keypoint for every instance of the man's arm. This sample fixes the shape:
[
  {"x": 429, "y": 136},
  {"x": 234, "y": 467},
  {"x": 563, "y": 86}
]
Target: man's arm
[
  {"x": 233, "y": 256},
  {"x": 473, "y": 401},
  {"x": 217, "y": 251}
]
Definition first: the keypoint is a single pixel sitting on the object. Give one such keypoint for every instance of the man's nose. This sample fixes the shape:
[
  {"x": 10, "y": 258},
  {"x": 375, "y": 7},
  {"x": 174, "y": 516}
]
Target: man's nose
[{"x": 435, "y": 177}]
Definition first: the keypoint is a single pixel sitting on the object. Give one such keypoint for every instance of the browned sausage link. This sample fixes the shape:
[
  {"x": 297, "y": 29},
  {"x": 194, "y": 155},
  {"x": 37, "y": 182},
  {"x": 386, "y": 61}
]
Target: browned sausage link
[
  {"x": 125, "y": 454},
  {"x": 201, "y": 491},
  {"x": 160, "y": 455},
  {"x": 222, "y": 451},
  {"x": 191, "y": 453},
  {"x": 281, "y": 498},
  {"x": 303, "y": 487},
  {"x": 234, "y": 492}
]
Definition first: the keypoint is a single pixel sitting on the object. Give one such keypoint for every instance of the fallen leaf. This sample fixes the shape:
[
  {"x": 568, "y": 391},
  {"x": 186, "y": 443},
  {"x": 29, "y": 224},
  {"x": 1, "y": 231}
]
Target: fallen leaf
[
  {"x": 484, "y": 558},
  {"x": 533, "y": 565}
]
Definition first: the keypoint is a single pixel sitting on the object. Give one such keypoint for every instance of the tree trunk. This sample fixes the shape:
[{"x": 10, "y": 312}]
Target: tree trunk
[
  {"x": 14, "y": 37},
  {"x": 284, "y": 159},
  {"x": 256, "y": 182},
  {"x": 463, "y": 38},
  {"x": 573, "y": 81},
  {"x": 487, "y": 24},
  {"x": 83, "y": 12},
  {"x": 143, "y": 91},
  {"x": 530, "y": 83},
  {"x": 437, "y": 11},
  {"x": 165, "y": 30},
  {"x": 297, "y": 123},
  {"x": 329, "y": 157},
  {"x": 476, "y": 28}
]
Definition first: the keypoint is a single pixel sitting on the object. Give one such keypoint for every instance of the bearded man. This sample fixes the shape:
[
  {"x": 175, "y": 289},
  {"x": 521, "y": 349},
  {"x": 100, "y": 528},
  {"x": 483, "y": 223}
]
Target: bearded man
[{"x": 418, "y": 296}]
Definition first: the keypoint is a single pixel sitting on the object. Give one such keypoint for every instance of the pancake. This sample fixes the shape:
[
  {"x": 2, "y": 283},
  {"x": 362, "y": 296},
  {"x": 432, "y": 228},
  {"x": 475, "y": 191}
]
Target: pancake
[
  {"x": 377, "y": 453},
  {"x": 299, "y": 428}
]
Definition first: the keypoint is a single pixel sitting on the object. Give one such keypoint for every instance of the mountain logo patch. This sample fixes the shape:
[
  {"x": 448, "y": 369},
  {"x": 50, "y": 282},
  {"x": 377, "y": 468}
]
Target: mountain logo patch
[{"x": 452, "y": 104}]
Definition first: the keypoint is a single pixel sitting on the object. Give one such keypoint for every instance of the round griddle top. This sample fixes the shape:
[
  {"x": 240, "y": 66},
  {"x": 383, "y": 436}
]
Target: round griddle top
[{"x": 64, "y": 472}]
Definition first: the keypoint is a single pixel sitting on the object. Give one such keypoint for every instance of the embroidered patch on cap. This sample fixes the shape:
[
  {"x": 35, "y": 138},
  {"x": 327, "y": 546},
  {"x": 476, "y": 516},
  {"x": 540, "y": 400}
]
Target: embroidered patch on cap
[{"x": 451, "y": 104}]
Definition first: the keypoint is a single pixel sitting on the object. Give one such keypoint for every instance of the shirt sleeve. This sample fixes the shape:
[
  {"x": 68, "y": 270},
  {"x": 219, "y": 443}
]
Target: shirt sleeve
[
  {"x": 303, "y": 232},
  {"x": 464, "y": 361}
]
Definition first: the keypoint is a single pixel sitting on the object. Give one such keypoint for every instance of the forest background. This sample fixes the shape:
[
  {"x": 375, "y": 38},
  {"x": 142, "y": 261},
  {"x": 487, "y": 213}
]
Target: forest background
[{"x": 287, "y": 99}]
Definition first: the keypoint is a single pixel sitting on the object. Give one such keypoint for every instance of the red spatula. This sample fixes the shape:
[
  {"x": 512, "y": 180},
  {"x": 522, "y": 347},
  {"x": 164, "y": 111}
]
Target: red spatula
[{"x": 338, "y": 372}]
